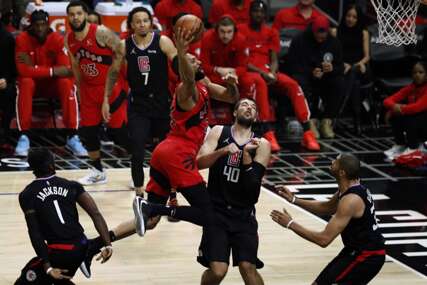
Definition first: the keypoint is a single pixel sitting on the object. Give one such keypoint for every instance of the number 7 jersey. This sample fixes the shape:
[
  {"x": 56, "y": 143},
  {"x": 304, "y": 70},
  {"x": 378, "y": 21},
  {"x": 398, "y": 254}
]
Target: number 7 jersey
[{"x": 147, "y": 74}]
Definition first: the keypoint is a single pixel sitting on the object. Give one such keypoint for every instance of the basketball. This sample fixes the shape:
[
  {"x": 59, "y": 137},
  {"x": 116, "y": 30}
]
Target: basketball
[{"x": 188, "y": 22}]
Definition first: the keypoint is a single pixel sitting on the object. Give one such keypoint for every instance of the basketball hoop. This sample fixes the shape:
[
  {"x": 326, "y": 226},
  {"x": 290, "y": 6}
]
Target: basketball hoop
[{"x": 396, "y": 21}]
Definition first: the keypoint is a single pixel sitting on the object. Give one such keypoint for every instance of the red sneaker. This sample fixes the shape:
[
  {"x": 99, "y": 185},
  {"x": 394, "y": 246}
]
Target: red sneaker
[
  {"x": 309, "y": 141},
  {"x": 271, "y": 137}
]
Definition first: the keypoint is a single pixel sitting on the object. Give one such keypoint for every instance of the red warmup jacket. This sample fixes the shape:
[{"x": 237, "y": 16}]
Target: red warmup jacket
[
  {"x": 260, "y": 43},
  {"x": 166, "y": 10},
  {"x": 414, "y": 98},
  {"x": 43, "y": 55},
  {"x": 292, "y": 18},
  {"x": 220, "y": 8},
  {"x": 215, "y": 53}
]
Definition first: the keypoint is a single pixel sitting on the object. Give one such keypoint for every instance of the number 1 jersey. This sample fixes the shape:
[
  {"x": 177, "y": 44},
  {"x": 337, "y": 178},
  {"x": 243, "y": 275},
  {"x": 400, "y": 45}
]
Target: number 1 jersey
[{"x": 54, "y": 201}]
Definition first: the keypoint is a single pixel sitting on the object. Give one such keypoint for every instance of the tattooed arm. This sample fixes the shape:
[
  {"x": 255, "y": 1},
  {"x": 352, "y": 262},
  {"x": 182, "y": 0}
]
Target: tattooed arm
[{"x": 107, "y": 38}]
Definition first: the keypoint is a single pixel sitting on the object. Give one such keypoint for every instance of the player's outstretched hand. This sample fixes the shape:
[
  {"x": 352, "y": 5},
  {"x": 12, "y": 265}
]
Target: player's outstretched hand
[
  {"x": 106, "y": 253},
  {"x": 282, "y": 218},
  {"x": 57, "y": 273},
  {"x": 106, "y": 111},
  {"x": 283, "y": 191},
  {"x": 183, "y": 38}
]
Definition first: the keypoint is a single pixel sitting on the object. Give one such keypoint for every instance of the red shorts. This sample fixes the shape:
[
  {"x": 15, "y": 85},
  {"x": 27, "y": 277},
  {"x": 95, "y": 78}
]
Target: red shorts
[
  {"x": 91, "y": 98},
  {"x": 173, "y": 165}
]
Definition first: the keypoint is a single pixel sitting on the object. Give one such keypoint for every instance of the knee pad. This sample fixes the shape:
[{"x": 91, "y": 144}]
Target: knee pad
[{"x": 90, "y": 138}]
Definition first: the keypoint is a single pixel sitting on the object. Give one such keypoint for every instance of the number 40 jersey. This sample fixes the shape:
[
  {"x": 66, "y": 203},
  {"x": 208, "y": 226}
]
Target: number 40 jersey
[{"x": 224, "y": 185}]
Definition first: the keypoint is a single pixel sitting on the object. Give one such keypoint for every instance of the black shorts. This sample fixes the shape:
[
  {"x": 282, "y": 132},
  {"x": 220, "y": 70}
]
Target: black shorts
[
  {"x": 230, "y": 233},
  {"x": 63, "y": 256},
  {"x": 352, "y": 267}
]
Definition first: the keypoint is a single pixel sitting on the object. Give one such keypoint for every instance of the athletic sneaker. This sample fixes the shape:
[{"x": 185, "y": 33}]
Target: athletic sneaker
[
  {"x": 309, "y": 141},
  {"x": 271, "y": 137},
  {"x": 141, "y": 210},
  {"x": 85, "y": 267},
  {"x": 23, "y": 146},
  {"x": 395, "y": 150},
  {"x": 94, "y": 177},
  {"x": 92, "y": 250},
  {"x": 76, "y": 147}
]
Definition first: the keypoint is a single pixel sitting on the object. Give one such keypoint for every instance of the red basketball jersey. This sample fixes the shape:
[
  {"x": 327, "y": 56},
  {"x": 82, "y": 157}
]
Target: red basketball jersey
[
  {"x": 191, "y": 125},
  {"x": 93, "y": 59}
]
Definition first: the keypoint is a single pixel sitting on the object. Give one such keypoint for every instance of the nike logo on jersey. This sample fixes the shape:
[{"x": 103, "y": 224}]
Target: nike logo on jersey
[
  {"x": 133, "y": 51},
  {"x": 226, "y": 141}
]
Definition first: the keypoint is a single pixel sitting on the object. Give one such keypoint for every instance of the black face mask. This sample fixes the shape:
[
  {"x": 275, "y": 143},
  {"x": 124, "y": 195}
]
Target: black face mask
[{"x": 79, "y": 28}]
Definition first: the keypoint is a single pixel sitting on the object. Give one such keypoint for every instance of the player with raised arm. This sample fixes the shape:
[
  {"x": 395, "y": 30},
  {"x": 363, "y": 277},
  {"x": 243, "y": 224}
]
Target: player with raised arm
[
  {"x": 173, "y": 162},
  {"x": 353, "y": 211}
]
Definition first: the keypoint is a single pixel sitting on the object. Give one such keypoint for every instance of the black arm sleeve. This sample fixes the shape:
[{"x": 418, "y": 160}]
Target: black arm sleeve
[
  {"x": 175, "y": 66},
  {"x": 34, "y": 232},
  {"x": 252, "y": 177}
]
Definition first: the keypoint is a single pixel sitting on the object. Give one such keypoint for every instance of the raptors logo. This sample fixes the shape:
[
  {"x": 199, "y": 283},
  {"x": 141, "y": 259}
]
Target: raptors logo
[{"x": 144, "y": 63}]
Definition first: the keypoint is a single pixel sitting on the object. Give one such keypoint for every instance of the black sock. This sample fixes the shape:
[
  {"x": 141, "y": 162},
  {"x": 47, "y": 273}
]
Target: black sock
[
  {"x": 161, "y": 210},
  {"x": 306, "y": 126},
  {"x": 190, "y": 214},
  {"x": 97, "y": 164},
  {"x": 96, "y": 244}
]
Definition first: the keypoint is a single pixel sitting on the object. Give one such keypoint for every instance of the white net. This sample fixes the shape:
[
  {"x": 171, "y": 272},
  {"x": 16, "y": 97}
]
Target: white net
[{"x": 396, "y": 21}]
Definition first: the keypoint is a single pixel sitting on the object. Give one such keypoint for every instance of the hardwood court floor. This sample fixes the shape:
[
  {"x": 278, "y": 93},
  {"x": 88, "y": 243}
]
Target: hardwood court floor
[{"x": 167, "y": 255}]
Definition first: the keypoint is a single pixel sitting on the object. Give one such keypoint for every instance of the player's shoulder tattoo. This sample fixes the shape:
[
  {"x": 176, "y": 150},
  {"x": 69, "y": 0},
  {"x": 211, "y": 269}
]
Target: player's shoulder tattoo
[{"x": 106, "y": 37}]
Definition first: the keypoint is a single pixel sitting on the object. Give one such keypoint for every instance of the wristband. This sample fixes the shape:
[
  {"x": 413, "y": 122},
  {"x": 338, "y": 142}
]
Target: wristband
[
  {"x": 49, "y": 270},
  {"x": 293, "y": 199},
  {"x": 51, "y": 72},
  {"x": 289, "y": 223}
]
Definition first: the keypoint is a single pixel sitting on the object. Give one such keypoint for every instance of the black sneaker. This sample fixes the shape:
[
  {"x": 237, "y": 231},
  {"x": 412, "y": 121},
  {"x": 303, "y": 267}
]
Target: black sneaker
[
  {"x": 85, "y": 266},
  {"x": 141, "y": 210}
]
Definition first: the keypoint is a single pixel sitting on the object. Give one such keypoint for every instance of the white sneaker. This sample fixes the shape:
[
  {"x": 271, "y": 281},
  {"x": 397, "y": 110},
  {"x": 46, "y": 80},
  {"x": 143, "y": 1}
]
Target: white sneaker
[
  {"x": 407, "y": 151},
  {"x": 395, "y": 150},
  {"x": 94, "y": 177}
]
